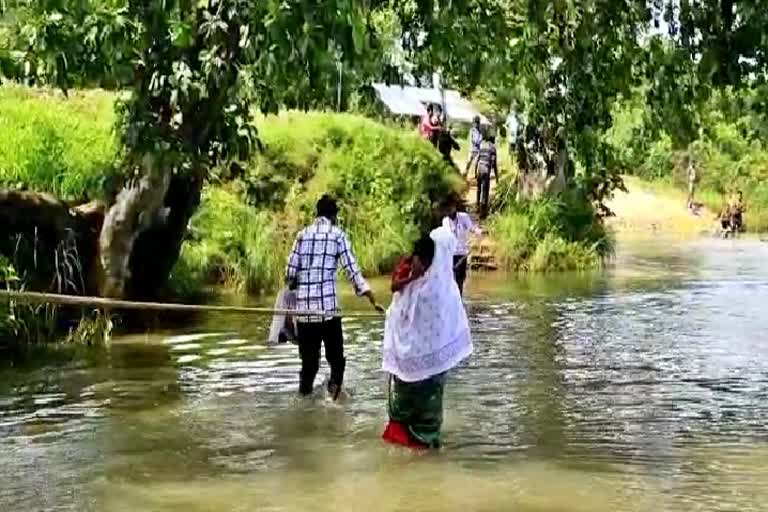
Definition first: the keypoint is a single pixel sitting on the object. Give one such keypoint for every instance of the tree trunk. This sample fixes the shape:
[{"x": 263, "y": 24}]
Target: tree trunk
[
  {"x": 137, "y": 206},
  {"x": 157, "y": 249},
  {"x": 129, "y": 251}
]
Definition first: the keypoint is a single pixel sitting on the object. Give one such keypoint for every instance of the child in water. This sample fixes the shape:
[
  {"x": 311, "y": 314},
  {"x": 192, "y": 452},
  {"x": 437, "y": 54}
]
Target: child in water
[{"x": 412, "y": 267}]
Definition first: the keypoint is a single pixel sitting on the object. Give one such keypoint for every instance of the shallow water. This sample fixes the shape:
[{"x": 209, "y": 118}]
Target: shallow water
[{"x": 642, "y": 388}]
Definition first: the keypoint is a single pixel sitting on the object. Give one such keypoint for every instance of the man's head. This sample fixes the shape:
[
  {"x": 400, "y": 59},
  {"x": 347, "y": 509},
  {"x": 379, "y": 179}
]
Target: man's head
[
  {"x": 452, "y": 206},
  {"x": 327, "y": 208},
  {"x": 476, "y": 121},
  {"x": 740, "y": 195},
  {"x": 430, "y": 108}
]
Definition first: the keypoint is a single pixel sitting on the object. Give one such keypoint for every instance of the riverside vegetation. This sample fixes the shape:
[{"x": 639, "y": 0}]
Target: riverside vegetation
[
  {"x": 725, "y": 140},
  {"x": 387, "y": 180}
]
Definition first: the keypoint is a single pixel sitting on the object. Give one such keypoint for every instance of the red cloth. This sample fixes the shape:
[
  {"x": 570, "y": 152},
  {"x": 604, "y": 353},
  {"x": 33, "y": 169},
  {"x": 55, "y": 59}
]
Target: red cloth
[
  {"x": 402, "y": 270},
  {"x": 426, "y": 127},
  {"x": 396, "y": 433}
]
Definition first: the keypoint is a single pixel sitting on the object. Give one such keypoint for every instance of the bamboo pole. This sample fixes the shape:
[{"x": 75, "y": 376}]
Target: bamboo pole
[{"x": 105, "y": 303}]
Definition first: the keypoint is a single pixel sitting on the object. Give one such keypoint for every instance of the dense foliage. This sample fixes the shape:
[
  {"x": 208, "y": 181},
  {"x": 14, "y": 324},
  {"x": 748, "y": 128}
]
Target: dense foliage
[
  {"x": 387, "y": 182},
  {"x": 728, "y": 151}
]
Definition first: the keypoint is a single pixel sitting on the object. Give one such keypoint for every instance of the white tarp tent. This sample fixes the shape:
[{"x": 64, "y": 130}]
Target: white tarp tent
[{"x": 410, "y": 101}]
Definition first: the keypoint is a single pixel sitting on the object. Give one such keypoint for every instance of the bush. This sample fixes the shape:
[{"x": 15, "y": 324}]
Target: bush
[
  {"x": 551, "y": 234},
  {"x": 231, "y": 244},
  {"x": 53, "y": 144},
  {"x": 387, "y": 180}
]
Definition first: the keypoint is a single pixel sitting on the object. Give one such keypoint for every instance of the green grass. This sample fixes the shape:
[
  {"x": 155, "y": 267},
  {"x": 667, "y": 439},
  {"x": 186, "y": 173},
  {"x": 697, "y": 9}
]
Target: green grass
[
  {"x": 49, "y": 143},
  {"x": 231, "y": 244},
  {"x": 550, "y": 235},
  {"x": 387, "y": 180}
]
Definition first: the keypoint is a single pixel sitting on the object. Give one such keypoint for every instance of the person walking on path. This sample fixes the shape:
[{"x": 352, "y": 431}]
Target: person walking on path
[
  {"x": 311, "y": 271},
  {"x": 475, "y": 139},
  {"x": 426, "y": 334},
  {"x": 445, "y": 144},
  {"x": 486, "y": 166},
  {"x": 692, "y": 180},
  {"x": 460, "y": 225}
]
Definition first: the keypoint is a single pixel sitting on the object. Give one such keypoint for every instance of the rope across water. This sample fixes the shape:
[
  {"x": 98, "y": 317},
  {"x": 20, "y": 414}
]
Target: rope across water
[{"x": 105, "y": 303}]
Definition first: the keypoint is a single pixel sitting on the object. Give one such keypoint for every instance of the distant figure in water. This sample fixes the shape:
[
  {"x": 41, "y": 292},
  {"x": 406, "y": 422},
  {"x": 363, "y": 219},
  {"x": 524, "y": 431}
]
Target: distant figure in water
[
  {"x": 311, "y": 271},
  {"x": 732, "y": 215},
  {"x": 426, "y": 334},
  {"x": 461, "y": 225}
]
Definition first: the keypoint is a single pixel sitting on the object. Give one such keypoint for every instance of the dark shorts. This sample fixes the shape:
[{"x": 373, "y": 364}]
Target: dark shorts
[{"x": 460, "y": 270}]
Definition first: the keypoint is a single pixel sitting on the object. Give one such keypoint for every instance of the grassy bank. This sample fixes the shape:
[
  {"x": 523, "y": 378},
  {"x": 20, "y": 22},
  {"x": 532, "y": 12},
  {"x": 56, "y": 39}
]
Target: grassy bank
[
  {"x": 387, "y": 182},
  {"x": 550, "y": 234},
  {"x": 51, "y": 144}
]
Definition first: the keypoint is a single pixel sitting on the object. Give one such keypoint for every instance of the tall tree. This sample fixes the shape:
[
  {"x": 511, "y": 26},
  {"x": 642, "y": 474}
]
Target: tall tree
[{"x": 191, "y": 71}]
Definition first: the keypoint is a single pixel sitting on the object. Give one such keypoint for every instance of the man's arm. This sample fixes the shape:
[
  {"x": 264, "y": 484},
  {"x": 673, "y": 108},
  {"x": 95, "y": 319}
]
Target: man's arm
[
  {"x": 470, "y": 226},
  {"x": 353, "y": 273}
]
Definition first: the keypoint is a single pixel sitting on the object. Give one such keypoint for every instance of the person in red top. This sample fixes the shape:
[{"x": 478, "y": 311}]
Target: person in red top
[{"x": 429, "y": 125}]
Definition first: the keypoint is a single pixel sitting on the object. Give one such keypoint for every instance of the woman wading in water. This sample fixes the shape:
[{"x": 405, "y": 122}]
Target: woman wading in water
[{"x": 425, "y": 335}]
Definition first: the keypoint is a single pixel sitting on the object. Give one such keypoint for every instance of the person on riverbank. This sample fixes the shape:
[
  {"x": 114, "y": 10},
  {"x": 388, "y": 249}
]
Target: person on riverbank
[
  {"x": 311, "y": 271},
  {"x": 487, "y": 167},
  {"x": 426, "y": 334},
  {"x": 692, "y": 180},
  {"x": 736, "y": 210},
  {"x": 475, "y": 139},
  {"x": 446, "y": 144},
  {"x": 429, "y": 126},
  {"x": 460, "y": 225}
]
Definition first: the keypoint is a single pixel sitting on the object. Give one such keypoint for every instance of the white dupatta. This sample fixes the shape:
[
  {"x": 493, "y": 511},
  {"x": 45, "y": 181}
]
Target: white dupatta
[{"x": 426, "y": 331}]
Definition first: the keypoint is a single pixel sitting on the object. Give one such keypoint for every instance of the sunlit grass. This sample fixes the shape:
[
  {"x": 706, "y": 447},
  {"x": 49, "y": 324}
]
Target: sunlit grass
[{"x": 56, "y": 144}]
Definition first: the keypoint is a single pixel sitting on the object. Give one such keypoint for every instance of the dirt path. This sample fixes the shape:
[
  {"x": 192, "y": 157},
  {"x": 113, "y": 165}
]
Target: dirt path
[{"x": 649, "y": 208}]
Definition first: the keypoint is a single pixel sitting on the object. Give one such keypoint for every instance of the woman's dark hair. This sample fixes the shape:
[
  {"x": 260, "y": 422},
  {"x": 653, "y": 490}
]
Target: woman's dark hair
[
  {"x": 327, "y": 207},
  {"x": 424, "y": 248}
]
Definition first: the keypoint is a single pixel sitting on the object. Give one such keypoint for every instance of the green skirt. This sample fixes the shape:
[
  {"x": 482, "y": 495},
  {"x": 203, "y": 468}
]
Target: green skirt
[{"x": 418, "y": 406}]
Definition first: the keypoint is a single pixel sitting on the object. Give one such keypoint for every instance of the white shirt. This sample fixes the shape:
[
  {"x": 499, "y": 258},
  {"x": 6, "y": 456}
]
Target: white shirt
[
  {"x": 512, "y": 125},
  {"x": 461, "y": 227}
]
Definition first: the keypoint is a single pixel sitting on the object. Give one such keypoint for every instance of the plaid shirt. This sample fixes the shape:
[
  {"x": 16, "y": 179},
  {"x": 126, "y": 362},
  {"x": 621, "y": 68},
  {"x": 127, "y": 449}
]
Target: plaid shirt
[{"x": 312, "y": 264}]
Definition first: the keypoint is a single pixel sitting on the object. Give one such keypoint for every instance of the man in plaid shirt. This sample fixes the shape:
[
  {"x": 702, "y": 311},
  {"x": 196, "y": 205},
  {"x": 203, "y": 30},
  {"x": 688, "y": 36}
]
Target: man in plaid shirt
[{"x": 311, "y": 271}]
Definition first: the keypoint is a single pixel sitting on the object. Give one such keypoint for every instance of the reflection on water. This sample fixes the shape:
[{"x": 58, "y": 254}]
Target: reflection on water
[{"x": 643, "y": 388}]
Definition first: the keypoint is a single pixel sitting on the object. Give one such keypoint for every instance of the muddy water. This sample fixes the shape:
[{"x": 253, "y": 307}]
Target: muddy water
[{"x": 644, "y": 388}]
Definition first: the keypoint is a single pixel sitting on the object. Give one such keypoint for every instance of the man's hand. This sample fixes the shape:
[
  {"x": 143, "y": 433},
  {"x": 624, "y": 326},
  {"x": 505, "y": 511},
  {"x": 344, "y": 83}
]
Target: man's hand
[{"x": 372, "y": 299}]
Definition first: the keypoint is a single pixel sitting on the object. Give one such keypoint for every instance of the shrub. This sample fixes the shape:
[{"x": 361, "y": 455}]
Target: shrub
[
  {"x": 387, "y": 180},
  {"x": 551, "y": 234},
  {"x": 231, "y": 243}
]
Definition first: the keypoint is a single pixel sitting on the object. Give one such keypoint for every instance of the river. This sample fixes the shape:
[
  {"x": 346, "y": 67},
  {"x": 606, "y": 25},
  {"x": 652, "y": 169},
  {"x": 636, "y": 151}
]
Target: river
[{"x": 642, "y": 388}]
